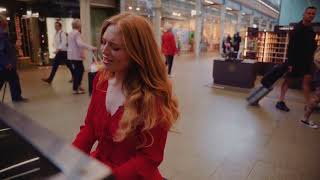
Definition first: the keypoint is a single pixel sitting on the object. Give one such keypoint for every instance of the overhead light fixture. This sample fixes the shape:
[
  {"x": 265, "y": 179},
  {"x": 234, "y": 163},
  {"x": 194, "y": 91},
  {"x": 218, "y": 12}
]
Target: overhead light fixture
[
  {"x": 243, "y": 14},
  {"x": 35, "y": 14},
  {"x": 130, "y": 7},
  {"x": 209, "y": 2},
  {"x": 8, "y": 18},
  {"x": 228, "y": 8},
  {"x": 2, "y": 9},
  {"x": 176, "y": 14},
  {"x": 268, "y": 6},
  {"x": 193, "y": 12},
  {"x": 138, "y": 9},
  {"x": 29, "y": 13},
  {"x": 254, "y": 26}
]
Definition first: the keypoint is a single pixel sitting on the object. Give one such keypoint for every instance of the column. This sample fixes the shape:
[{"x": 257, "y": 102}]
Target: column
[
  {"x": 157, "y": 20},
  {"x": 239, "y": 21},
  {"x": 86, "y": 28},
  {"x": 122, "y": 5},
  {"x": 251, "y": 20},
  {"x": 260, "y": 24},
  {"x": 222, "y": 23},
  {"x": 269, "y": 26},
  {"x": 272, "y": 26},
  {"x": 199, "y": 24}
]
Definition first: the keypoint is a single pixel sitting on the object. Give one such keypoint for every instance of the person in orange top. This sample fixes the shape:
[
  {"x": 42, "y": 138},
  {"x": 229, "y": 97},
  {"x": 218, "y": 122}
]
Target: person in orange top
[
  {"x": 132, "y": 106},
  {"x": 169, "y": 48}
]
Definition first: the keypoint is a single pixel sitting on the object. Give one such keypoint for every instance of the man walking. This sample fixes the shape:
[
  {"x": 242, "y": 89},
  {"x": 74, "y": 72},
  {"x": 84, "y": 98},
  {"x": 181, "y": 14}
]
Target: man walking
[
  {"x": 301, "y": 48},
  {"x": 60, "y": 44}
]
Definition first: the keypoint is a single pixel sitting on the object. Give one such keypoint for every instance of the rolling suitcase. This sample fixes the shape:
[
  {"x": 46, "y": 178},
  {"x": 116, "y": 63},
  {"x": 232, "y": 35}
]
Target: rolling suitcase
[{"x": 267, "y": 83}]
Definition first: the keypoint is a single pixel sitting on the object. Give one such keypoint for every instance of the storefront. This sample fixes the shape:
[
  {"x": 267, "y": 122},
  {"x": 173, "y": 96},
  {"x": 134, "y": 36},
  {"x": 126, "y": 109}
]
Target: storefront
[{"x": 32, "y": 25}]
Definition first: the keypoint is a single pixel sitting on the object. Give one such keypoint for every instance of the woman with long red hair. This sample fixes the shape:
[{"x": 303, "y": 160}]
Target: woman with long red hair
[{"x": 132, "y": 106}]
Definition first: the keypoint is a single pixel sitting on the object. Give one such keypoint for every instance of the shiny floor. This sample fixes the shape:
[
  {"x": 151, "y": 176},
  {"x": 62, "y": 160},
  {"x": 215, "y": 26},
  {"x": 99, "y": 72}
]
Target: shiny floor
[{"x": 218, "y": 136}]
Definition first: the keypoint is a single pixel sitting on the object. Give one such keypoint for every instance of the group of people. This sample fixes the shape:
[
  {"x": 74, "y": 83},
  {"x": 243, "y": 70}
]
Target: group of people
[
  {"x": 231, "y": 44},
  {"x": 70, "y": 51}
]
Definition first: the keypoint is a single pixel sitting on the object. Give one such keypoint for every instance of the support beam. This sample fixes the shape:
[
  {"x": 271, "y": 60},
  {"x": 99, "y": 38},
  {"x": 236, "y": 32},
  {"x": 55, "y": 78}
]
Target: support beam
[
  {"x": 85, "y": 16},
  {"x": 199, "y": 27},
  {"x": 157, "y": 20},
  {"x": 222, "y": 24}
]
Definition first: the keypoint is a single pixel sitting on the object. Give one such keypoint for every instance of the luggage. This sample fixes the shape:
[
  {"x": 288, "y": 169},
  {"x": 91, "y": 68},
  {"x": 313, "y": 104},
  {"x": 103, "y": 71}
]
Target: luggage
[
  {"x": 267, "y": 83},
  {"x": 274, "y": 75},
  {"x": 256, "y": 95}
]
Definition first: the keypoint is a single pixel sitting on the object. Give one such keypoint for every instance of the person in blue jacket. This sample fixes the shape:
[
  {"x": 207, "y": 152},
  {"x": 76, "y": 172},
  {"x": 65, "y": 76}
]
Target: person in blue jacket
[{"x": 8, "y": 61}]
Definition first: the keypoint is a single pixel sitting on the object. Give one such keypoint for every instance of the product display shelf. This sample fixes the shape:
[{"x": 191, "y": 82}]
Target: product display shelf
[{"x": 273, "y": 47}]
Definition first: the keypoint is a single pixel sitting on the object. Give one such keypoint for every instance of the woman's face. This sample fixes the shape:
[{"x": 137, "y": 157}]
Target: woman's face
[{"x": 115, "y": 57}]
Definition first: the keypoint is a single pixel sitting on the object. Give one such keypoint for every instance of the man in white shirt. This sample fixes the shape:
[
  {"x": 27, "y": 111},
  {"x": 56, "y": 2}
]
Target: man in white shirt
[{"x": 60, "y": 44}]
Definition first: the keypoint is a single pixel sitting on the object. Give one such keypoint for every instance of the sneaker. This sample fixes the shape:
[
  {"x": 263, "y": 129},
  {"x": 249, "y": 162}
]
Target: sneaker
[
  {"x": 282, "y": 106},
  {"x": 81, "y": 91},
  {"x": 309, "y": 124},
  {"x": 78, "y": 92},
  {"x": 46, "y": 80}
]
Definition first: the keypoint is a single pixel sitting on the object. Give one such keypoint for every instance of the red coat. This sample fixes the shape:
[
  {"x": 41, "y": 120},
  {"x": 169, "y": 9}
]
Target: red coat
[
  {"x": 127, "y": 162},
  {"x": 169, "y": 47}
]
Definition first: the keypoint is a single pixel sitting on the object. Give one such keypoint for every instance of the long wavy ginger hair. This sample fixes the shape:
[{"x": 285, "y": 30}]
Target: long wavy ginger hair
[{"x": 149, "y": 98}]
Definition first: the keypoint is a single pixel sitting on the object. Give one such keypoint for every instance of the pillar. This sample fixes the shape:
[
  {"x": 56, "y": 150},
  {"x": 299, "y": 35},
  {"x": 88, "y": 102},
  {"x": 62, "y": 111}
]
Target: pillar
[
  {"x": 222, "y": 23},
  {"x": 198, "y": 30},
  {"x": 251, "y": 21},
  {"x": 85, "y": 16},
  {"x": 122, "y": 5},
  {"x": 157, "y": 20}
]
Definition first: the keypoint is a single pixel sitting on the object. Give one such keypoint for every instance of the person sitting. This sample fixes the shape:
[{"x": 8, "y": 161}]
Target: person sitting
[{"x": 132, "y": 106}]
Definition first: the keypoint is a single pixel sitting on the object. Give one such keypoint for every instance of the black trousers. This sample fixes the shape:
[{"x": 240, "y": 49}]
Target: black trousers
[
  {"x": 11, "y": 76},
  {"x": 91, "y": 76},
  {"x": 78, "y": 70},
  {"x": 169, "y": 63},
  {"x": 60, "y": 58}
]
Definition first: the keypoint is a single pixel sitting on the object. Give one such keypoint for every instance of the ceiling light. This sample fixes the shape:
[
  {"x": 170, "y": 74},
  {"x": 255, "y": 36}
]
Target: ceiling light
[
  {"x": 2, "y": 9},
  {"x": 138, "y": 9},
  {"x": 8, "y": 18},
  {"x": 35, "y": 14},
  {"x": 130, "y": 7},
  {"x": 260, "y": 1},
  {"x": 243, "y": 14},
  {"x": 209, "y": 2},
  {"x": 193, "y": 12}
]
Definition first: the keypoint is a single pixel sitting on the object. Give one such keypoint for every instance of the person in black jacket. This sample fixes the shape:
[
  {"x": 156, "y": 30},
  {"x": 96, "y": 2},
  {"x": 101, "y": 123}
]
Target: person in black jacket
[
  {"x": 301, "y": 48},
  {"x": 236, "y": 41},
  {"x": 8, "y": 61}
]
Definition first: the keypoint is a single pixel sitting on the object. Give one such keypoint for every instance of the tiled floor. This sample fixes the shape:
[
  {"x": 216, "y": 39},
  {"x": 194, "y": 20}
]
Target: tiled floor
[{"x": 218, "y": 136}]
